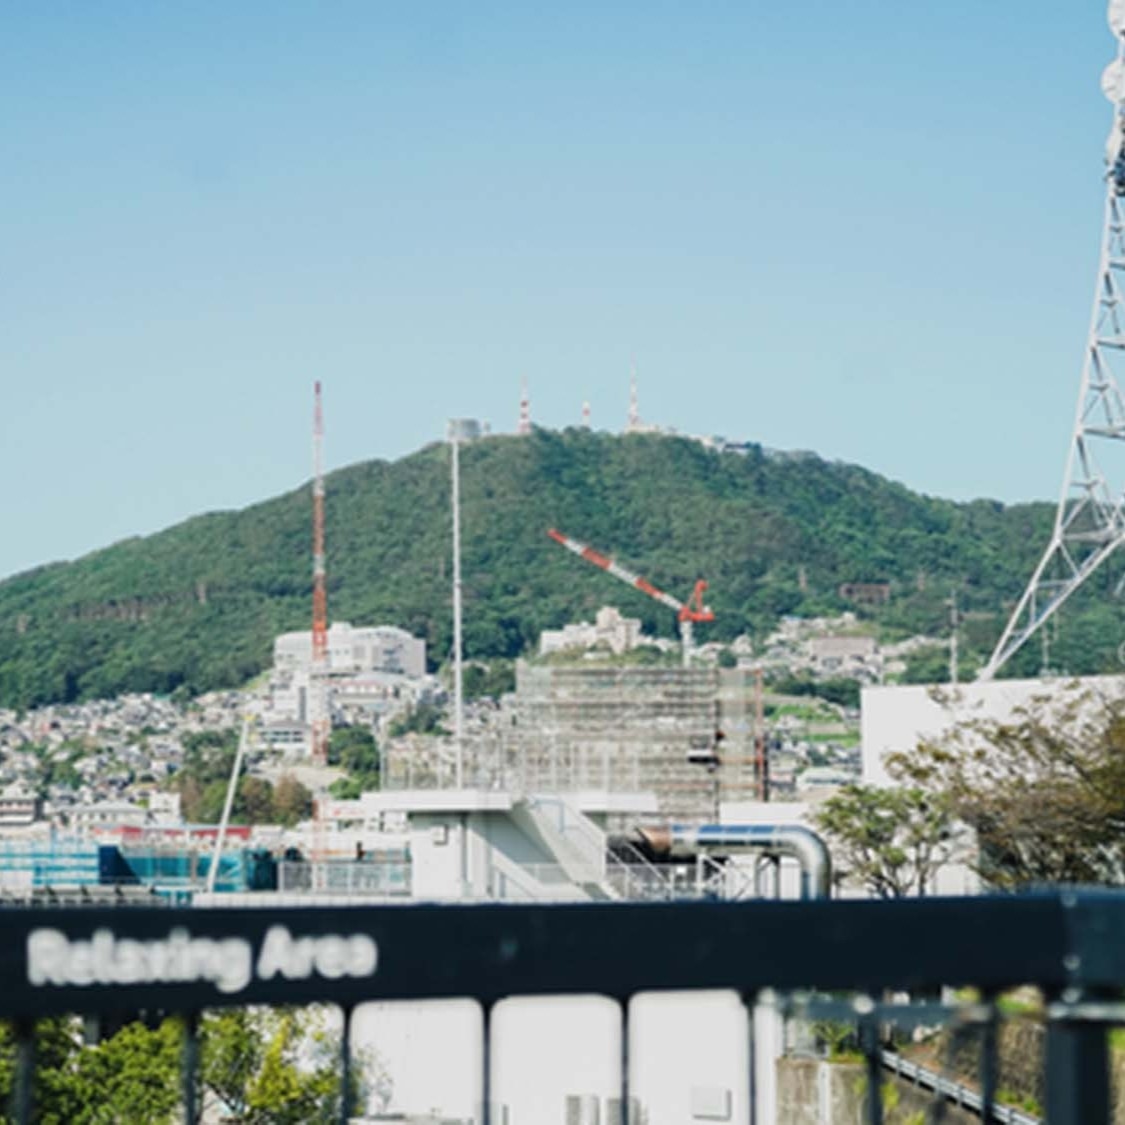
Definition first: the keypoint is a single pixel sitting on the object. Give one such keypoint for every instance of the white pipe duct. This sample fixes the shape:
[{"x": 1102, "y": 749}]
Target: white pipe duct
[{"x": 804, "y": 845}]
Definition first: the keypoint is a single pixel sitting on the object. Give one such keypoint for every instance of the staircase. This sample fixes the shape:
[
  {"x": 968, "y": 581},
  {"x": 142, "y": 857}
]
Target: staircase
[{"x": 575, "y": 842}]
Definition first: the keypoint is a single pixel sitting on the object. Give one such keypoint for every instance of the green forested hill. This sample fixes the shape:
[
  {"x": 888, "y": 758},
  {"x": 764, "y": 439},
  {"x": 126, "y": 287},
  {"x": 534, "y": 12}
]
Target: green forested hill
[{"x": 198, "y": 604}]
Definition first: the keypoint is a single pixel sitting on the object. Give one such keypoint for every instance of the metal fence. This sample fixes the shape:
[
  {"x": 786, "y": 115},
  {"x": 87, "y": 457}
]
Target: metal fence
[
  {"x": 384, "y": 879},
  {"x": 865, "y": 963}
]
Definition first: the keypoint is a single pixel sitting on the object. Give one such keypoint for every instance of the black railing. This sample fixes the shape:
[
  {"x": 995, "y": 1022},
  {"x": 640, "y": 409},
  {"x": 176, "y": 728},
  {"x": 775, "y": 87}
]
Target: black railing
[{"x": 846, "y": 961}]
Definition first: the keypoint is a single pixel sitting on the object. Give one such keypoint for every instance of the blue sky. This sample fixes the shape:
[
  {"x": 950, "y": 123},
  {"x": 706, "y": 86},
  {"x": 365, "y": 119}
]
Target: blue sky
[{"x": 868, "y": 229}]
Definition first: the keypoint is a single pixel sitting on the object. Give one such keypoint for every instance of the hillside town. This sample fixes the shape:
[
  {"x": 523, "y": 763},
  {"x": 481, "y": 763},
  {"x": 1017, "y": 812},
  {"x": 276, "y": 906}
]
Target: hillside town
[{"x": 91, "y": 766}]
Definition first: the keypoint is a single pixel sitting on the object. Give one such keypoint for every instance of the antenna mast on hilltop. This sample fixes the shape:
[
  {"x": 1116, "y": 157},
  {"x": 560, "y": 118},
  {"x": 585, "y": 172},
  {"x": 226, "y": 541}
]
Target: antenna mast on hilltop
[
  {"x": 1090, "y": 520},
  {"x": 524, "y": 427},
  {"x": 319, "y": 666},
  {"x": 633, "y": 423}
]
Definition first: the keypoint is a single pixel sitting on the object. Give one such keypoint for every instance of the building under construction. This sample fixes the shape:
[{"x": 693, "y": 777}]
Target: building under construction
[{"x": 686, "y": 734}]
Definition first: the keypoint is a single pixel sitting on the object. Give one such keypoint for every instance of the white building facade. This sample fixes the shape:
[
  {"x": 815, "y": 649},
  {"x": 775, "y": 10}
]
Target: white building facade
[{"x": 354, "y": 651}]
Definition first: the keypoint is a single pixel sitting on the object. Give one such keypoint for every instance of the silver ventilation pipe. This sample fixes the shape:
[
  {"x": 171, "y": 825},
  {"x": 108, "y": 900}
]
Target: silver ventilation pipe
[{"x": 804, "y": 845}]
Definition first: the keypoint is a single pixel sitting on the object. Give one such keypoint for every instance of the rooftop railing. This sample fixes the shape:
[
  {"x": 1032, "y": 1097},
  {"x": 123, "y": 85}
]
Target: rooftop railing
[{"x": 875, "y": 966}]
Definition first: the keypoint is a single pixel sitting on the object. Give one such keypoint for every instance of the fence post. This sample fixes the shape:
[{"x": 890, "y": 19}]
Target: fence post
[
  {"x": 1077, "y": 1072},
  {"x": 23, "y": 1093},
  {"x": 189, "y": 1068}
]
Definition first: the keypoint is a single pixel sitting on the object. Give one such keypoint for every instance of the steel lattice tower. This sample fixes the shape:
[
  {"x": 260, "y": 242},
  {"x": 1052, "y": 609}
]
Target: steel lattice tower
[{"x": 1090, "y": 520}]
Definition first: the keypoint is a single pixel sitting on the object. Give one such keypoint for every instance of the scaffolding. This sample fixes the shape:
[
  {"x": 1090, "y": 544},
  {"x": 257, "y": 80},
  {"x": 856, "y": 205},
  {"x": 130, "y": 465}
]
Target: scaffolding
[{"x": 607, "y": 729}]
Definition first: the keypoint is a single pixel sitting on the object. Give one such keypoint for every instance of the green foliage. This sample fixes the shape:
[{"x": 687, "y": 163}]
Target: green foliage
[
  {"x": 425, "y": 718},
  {"x": 492, "y": 678},
  {"x": 58, "y": 766},
  {"x": 1044, "y": 789},
  {"x": 354, "y": 750},
  {"x": 131, "y": 1078},
  {"x": 197, "y": 606},
  {"x": 891, "y": 840},
  {"x": 265, "y": 1066},
  {"x": 839, "y": 1041},
  {"x": 843, "y": 692},
  {"x": 292, "y": 801},
  {"x": 346, "y": 789},
  {"x": 271, "y": 1066},
  {"x": 1027, "y": 1102},
  {"x": 930, "y": 665},
  {"x": 203, "y": 781}
]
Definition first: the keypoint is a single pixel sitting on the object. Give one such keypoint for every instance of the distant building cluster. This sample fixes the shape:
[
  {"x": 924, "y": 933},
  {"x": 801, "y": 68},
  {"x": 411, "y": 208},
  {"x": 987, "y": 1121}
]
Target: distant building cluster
[
  {"x": 367, "y": 668},
  {"x": 610, "y": 630},
  {"x": 118, "y": 756},
  {"x": 354, "y": 652}
]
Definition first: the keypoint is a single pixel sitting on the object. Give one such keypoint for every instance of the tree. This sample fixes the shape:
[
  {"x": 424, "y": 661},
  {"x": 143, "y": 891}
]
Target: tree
[
  {"x": 131, "y": 1076},
  {"x": 355, "y": 750},
  {"x": 256, "y": 797},
  {"x": 492, "y": 678},
  {"x": 292, "y": 801},
  {"x": 262, "y": 1066},
  {"x": 425, "y": 718},
  {"x": 893, "y": 841},
  {"x": 271, "y": 1066},
  {"x": 843, "y": 692},
  {"x": 1044, "y": 789}
]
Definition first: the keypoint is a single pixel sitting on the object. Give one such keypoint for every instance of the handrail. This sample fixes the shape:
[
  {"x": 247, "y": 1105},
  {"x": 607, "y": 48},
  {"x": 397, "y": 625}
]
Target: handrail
[
  {"x": 954, "y": 1091},
  {"x": 99, "y": 960}
]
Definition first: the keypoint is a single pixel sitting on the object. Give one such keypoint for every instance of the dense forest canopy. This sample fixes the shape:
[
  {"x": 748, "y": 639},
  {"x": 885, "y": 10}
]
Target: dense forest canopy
[{"x": 197, "y": 606}]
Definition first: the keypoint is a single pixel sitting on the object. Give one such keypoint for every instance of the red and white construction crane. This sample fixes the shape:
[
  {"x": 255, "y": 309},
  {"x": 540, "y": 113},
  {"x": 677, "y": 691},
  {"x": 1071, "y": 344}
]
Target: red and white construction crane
[{"x": 686, "y": 613}]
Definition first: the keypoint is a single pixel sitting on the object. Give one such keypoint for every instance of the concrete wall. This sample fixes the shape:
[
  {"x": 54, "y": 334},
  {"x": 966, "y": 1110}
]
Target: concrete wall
[
  {"x": 896, "y": 718},
  {"x": 813, "y": 1092},
  {"x": 439, "y": 856}
]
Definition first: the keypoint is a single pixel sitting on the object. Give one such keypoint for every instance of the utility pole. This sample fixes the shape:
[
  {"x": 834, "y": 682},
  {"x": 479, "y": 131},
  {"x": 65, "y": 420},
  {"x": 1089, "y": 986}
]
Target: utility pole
[
  {"x": 458, "y": 695},
  {"x": 954, "y": 619},
  {"x": 760, "y": 751}
]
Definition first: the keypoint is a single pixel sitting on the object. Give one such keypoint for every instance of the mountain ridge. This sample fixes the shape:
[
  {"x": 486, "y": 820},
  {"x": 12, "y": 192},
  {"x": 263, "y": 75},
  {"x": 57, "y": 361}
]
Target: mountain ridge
[{"x": 197, "y": 604}]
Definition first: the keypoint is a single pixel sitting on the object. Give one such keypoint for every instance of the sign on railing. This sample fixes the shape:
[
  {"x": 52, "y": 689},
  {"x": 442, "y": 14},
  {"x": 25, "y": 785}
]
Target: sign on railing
[{"x": 101, "y": 961}]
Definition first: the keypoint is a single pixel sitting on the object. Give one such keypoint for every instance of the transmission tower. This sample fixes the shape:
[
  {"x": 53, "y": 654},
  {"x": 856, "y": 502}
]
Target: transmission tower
[
  {"x": 1090, "y": 520},
  {"x": 318, "y": 688}
]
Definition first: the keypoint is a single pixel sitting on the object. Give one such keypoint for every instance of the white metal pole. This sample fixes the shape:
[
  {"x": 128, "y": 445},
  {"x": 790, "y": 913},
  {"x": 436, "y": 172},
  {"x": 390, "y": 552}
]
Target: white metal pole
[
  {"x": 224, "y": 820},
  {"x": 953, "y": 638},
  {"x": 458, "y": 696}
]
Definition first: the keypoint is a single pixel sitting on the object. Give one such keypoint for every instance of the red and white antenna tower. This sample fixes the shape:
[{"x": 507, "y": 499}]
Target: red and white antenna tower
[
  {"x": 586, "y": 415},
  {"x": 319, "y": 665},
  {"x": 687, "y": 614},
  {"x": 524, "y": 427}
]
